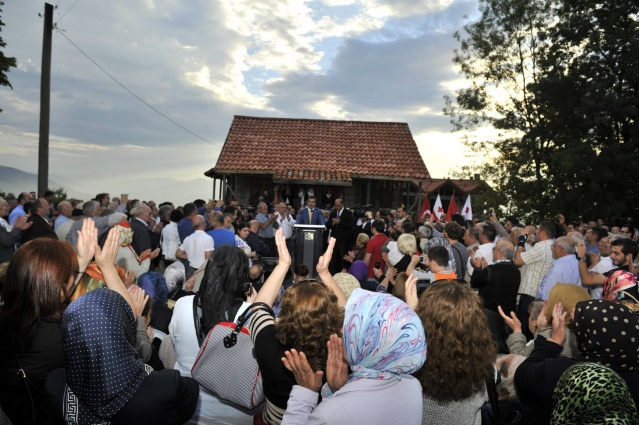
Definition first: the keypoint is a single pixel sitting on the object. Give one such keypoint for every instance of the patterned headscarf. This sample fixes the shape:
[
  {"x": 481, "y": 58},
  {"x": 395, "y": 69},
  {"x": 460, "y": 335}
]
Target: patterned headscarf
[
  {"x": 126, "y": 233},
  {"x": 383, "y": 336},
  {"x": 608, "y": 333},
  {"x": 619, "y": 280},
  {"x": 592, "y": 394},
  {"x": 568, "y": 295},
  {"x": 347, "y": 283},
  {"x": 359, "y": 269},
  {"x": 102, "y": 367}
]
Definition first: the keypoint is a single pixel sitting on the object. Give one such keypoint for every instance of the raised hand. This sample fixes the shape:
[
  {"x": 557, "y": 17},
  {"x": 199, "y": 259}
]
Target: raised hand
[
  {"x": 512, "y": 321},
  {"x": 105, "y": 257},
  {"x": 280, "y": 242},
  {"x": 304, "y": 375},
  {"x": 21, "y": 222},
  {"x": 139, "y": 297},
  {"x": 558, "y": 325},
  {"x": 411, "y": 292},
  {"x": 87, "y": 242},
  {"x": 325, "y": 260},
  {"x": 336, "y": 367}
]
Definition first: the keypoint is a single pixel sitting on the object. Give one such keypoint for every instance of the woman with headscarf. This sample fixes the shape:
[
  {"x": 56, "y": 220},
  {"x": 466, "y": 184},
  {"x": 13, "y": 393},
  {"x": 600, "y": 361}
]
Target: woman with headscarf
[
  {"x": 127, "y": 258},
  {"x": 359, "y": 269},
  {"x": 607, "y": 333},
  {"x": 105, "y": 381},
  {"x": 592, "y": 394},
  {"x": 384, "y": 343},
  {"x": 39, "y": 281}
]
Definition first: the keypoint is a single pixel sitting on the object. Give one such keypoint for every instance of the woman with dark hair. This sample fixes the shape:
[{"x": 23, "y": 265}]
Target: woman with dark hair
[
  {"x": 104, "y": 380},
  {"x": 304, "y": 305},
  {"x": 461, "y": 352},
  {"x": 39, "y": 280}
]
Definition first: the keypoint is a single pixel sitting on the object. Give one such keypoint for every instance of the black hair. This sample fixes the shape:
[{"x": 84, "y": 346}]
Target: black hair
[
  {"x": 176, "y": 215},
  {"x": 439, "y": 255},
  {"x": 628, "y": 246},
  {"x": 489, "y": 233},
  {"x": 408, "y": 227},
  {"x": 600, "y": 232},
  {"x": 378, "y": 225},
  {"x": 189, "y": 209}
]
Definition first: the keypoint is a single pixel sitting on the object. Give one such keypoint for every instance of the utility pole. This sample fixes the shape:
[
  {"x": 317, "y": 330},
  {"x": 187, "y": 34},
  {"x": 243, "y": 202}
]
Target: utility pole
[{"x": 45, "y": 102}]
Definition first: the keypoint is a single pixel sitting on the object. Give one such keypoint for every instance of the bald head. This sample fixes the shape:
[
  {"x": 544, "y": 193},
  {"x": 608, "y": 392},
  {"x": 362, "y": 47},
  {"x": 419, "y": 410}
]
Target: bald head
[
  {"x": 64, "y": 208},
  {"x": 199, "y": 223}
]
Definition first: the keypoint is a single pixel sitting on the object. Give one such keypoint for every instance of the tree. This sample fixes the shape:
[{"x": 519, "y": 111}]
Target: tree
[
  {"x": 499, "y": 56},
  {"x": 6, "y": 63},
  {"x": 559, "y": 79}
]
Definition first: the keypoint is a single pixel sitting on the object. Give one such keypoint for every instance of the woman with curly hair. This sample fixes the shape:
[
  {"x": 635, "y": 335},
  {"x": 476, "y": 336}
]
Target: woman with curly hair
[
  {"x": 461, "y": 353},
  {"x": 305, "y": 305}
]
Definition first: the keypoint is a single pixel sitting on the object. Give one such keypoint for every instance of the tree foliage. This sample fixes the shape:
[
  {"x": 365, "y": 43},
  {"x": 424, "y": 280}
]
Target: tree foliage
[
  {"x": 6, "y": 63},
  {"x": 559, "y": 79}
]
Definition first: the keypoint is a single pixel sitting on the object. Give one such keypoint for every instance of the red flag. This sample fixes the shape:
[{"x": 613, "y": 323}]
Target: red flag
[
  {"x": 425, "y": 208},
  {"x": 452, "y": 208}
]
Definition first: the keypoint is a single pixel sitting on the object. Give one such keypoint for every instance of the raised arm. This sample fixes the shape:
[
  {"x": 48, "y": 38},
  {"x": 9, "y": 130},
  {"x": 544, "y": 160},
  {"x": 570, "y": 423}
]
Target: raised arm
[
  {"x": 325, "y": 275},
  {"x": 105, "y": 259},
  {"x": 270, "y": 289},
  {"x": 587, "y": 278}
]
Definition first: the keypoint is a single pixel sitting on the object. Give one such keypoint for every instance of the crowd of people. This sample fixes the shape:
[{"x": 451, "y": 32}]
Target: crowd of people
[{"x": 105, "y": 304}]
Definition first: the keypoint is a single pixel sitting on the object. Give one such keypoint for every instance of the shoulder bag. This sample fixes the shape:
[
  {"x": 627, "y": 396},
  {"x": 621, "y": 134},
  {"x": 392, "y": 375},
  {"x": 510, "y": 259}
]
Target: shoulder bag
[{"x": 226, "y": 364}]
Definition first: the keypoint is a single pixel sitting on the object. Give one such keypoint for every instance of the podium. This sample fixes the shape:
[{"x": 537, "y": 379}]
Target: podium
[{"x": 308, "y": 246}]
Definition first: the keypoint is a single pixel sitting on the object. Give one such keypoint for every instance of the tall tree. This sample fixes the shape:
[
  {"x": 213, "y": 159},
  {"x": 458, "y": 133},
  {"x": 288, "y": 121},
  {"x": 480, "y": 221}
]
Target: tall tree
[
  {"x": 6, "y": 63},
  {"x": 560, "y": 79}
]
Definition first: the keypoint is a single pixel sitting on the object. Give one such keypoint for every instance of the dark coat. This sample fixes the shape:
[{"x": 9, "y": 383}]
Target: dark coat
[{"x": 39, "y": 229}]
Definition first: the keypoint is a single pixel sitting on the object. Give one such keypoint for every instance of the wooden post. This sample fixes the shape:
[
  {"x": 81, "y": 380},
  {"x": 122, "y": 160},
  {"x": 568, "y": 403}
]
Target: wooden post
[{"x": 45, "y": 102}]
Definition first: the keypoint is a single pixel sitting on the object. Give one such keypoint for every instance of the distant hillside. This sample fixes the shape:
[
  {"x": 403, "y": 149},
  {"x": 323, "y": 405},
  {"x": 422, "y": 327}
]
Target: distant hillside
[
  {"x": 158, "y": 189},
  {"x": 16, "y": 181}
]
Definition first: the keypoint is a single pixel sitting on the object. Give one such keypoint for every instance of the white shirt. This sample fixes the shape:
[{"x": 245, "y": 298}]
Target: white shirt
[
  {"x": 485, "y": 250},
  {"x": 195, "y": 246},
  {"x": 287, "y": 224},
  {"x": 170, "y": 241}
]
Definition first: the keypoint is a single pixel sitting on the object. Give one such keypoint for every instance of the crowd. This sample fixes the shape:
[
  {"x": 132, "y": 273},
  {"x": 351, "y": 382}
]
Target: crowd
[{"x": 106, "y": 306}]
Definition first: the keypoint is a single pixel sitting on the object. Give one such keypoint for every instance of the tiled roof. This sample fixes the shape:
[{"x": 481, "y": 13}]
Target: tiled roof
[
  {"x": 465, "y": 186},
  {"x": 320, "y": 150}
]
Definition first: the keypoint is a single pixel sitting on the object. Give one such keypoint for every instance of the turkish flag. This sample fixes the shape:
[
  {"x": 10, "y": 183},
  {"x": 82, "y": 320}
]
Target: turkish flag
[
  {"x": 452, "y": 208},
  {"x": 438, "y": 210},
  {"x": 425, "y": 208}
]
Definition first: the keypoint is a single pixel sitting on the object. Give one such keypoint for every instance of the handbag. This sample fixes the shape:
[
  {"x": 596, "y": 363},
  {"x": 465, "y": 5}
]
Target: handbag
[{"x": 226, "y": 363}]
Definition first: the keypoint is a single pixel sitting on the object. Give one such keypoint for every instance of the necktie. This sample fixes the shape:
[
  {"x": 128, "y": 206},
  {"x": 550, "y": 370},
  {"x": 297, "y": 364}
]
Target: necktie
[{"x": 310, "y": 216}]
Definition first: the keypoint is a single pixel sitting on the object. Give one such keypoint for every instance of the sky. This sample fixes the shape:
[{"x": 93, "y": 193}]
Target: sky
[{"x": 200, "y": 62}]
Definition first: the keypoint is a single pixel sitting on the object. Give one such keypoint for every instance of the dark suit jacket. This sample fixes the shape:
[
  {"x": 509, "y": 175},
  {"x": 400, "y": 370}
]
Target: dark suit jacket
[
  {"x": 318, "y": 217},
  {"x": 498, "y": 285},
  {"x": 343, "y": 232},
  {"x": 39, "y": 229},
  {"x": 143, "y": 238}
]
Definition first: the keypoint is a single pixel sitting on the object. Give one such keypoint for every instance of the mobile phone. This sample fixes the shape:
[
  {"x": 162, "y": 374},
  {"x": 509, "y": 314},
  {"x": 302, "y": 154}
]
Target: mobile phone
[
  {"x": 422, "y": 285},
  {"x": 377, "y": 264},
  {"x": 422, "y": 259}
]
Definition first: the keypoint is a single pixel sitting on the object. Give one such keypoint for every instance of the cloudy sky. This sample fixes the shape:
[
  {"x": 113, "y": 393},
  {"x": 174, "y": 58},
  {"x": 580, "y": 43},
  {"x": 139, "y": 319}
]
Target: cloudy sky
[{"x": 200, "y": 62}]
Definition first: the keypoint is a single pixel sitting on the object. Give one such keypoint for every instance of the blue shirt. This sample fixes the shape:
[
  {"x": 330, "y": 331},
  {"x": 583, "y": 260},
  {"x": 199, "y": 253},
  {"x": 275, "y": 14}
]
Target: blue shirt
[
  {"x": 185, "y": 228},
  {"x": 222, "y": 237},
  {"x": 563, "y": 270},
  {"x": 60, "y": 221},
  {"x": 17, "y": 212}
]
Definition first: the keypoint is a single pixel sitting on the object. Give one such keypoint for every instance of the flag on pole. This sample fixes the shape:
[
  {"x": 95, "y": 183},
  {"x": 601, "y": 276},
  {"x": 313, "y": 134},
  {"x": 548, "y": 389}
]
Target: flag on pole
[
  {"x": 452, "y": 207},
  {"x": 467, "y": 211},
  {"x": 438, "y": 210},
  {"x": 425, "y": 208}
]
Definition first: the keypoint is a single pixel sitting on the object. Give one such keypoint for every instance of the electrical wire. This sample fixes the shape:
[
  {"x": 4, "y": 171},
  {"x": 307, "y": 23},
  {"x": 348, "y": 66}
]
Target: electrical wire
[{"x": 132, "y": 93}]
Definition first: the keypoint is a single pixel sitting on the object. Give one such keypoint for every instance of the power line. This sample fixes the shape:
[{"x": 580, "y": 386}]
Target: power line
[
  {"x": 131, "y": 92},
  {"x": 68, "y": 10}
]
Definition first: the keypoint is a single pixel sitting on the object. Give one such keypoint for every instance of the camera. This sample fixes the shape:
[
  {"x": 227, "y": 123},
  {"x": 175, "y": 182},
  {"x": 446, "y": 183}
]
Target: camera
[
  {"x": 377, "y": 264},
  {"x": 422, "y": 285}
]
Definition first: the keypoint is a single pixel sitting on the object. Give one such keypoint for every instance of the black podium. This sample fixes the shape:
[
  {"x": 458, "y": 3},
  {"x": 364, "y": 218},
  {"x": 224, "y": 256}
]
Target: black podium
[{"x": 308, "y": 245}]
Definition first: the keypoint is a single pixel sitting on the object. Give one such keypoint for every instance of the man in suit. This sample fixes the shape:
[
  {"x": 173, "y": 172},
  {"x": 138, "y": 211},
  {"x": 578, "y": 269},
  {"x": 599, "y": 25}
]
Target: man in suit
[
  {"x": 340, "y": 224},
  {"x": 143, "y": 237},
  {"x": 311, "y": 214},
  {"x": 40, "y": 228}
]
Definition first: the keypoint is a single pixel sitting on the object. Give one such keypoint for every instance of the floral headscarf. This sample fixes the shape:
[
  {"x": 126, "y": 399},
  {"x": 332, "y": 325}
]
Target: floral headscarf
[
  {"x": 126, "y": 233},
  {"x": 619, "y": 280},
  {"x": 102, "y": 367},
  {"x": 608, "y": 333},
  {"x": 592, "y": 394},
  {"x": 383, "y": 336}
]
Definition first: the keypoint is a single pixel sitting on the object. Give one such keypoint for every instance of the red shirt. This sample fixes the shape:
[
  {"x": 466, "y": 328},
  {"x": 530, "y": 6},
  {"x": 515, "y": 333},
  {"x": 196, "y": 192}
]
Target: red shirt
[{"x": 374, "y": 248}]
